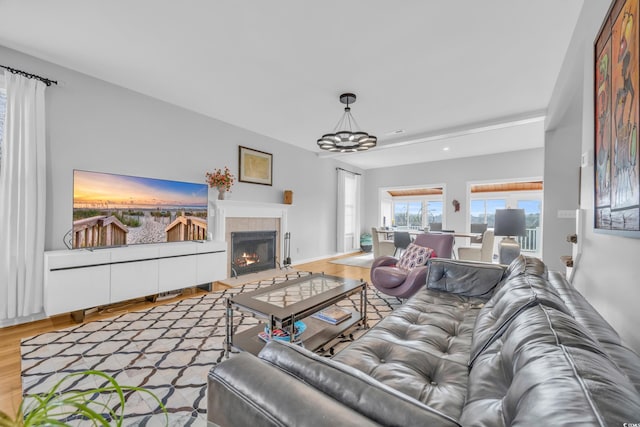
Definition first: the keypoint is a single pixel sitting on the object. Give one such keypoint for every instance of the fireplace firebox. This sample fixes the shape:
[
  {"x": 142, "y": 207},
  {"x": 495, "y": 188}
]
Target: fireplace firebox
[{"x": 252, "y": 251}]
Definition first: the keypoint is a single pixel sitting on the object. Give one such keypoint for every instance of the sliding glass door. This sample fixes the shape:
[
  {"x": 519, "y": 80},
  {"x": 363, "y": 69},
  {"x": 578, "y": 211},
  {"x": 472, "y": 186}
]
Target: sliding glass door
[{"x": 482, "y": 208}]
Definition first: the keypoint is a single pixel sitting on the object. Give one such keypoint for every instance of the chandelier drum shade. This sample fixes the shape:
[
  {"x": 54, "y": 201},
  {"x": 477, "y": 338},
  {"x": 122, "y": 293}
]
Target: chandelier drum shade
[{"x": 347, "y": 136}]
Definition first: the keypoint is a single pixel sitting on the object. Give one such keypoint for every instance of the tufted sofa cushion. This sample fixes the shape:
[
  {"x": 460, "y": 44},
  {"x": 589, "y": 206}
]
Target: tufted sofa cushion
[
  {"x": 586, "y": 315},
  {"x": 244, "y": 391},
  {"x": 547, "y": 369},
  {"x": 463, "y": 277},
  {"x": 353, "y": 388},
  {"x": 528, "y": 282},
  {"x": 421, "y": 349},
  {"x": 524, "y": 265},
  {"x": 524, "y": 285}
]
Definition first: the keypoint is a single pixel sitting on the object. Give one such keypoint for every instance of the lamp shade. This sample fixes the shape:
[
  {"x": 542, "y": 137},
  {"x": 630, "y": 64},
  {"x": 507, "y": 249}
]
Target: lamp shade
[{"x": 510, "y": 222}]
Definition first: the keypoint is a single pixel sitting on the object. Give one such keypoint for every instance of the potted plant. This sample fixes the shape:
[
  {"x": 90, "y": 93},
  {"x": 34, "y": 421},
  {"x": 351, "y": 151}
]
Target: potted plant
[
  {"x": 57, "y": 407},
  {"x": 222, "y": 180}
]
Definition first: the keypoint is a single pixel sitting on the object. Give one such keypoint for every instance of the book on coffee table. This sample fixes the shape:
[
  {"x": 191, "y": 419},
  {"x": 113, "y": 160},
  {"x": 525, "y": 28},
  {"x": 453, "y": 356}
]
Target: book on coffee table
[{"x": 333, "y": 315}]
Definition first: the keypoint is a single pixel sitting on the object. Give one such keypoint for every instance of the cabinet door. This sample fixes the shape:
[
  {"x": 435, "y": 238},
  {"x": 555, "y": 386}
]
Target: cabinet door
[
  {"x": 75, "y": 280},
  {"x": 177, "y": 266},
  {"x": 76, "y": 289},
  {"x": 134, "y": 272},
  {"x": 134, "y": 279},
  {"x": 177, "y": 273},
  {"x": 211, "y": 267},
  {"x": 211, "y": 261}
]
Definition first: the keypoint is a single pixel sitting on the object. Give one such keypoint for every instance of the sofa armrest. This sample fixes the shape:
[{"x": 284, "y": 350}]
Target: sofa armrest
[
  {"x": 467, "y": 278},
  {"x": 353, "y": 388},
  {"x": 245, "y": 391}
]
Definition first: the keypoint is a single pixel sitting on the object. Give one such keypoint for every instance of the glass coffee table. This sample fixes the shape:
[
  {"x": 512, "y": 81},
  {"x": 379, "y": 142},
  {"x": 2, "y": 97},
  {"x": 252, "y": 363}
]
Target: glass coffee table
[{"x": 285, "y": 304}]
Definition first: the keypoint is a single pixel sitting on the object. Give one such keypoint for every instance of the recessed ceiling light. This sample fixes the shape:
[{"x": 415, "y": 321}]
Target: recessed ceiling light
[{"x": 445, "y": 148}]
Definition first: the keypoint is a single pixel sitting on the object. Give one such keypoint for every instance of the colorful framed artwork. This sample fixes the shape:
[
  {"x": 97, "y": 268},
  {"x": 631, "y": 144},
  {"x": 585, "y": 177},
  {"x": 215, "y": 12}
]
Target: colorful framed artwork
[
  {"x": 616, "y": 119},
  {"x": 256, "y": 166}
]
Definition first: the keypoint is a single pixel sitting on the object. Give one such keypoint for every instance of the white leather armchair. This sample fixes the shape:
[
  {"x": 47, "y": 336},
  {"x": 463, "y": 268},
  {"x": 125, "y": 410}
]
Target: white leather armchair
[
  {"x": 381, "y": 246},
  {"x": 483, "y": 252}
]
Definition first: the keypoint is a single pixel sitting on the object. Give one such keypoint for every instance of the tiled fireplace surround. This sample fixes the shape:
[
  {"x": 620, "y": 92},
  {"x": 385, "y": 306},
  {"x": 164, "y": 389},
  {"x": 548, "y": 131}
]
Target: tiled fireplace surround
[{"x": 226, "y": 216}]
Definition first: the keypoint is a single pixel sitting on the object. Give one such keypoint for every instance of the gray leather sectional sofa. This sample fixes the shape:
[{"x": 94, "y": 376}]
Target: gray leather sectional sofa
[{"x": 480, "y": 345}]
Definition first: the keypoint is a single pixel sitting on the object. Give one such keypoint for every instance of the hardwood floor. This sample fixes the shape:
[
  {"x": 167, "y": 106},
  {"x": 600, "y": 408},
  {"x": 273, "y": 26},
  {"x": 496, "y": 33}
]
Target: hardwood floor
[{"x": 10, "y": 337}]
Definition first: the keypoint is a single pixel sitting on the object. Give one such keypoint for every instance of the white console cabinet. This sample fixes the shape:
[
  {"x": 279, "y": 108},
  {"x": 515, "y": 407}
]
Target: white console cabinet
[{"x": 80, "y": 279}]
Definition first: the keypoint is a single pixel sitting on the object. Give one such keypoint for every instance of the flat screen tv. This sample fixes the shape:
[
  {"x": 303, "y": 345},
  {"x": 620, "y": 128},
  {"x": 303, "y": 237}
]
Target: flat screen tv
[{"x": 117, "y": 210}]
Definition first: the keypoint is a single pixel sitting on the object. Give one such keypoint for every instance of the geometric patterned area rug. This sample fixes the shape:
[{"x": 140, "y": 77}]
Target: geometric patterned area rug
[{"x": 168, "y": 349}]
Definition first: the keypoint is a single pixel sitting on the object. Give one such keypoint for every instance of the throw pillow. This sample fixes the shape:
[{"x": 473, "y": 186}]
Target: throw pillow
[{"x": 415, "y": 256}]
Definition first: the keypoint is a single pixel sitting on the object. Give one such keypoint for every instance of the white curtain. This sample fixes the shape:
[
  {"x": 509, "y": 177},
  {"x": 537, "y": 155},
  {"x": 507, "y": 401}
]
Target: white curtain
[
  {"x": 22, "y": 199},
  {"x": 356, "y": 210},
  {"x": 340, "y": 211},
  {"x": 348, "y": 211}
]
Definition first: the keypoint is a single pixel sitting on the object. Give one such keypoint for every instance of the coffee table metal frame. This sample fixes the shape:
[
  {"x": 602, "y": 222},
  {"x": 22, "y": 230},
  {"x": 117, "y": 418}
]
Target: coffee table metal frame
[{"x": 318, "y": 332}]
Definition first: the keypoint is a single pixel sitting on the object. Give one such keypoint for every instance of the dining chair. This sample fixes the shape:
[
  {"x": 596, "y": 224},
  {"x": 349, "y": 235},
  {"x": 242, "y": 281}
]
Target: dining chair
[
  {"x": 479, "y": 229},
  {"x": 484, "y": 252},
  {"x": 401, "y": 240},
  {"x": 381, "y": 247}
]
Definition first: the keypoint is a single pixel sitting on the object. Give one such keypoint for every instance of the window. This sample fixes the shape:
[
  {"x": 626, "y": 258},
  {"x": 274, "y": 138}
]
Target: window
[
  {"x": 485, "y": 198},
  {"x": 407, "y": 214},
  {"x": 483, "y": 211},
  {"x": 533, "y": 212},
  {"x": 434, "y": 210},
  {"x": 416, "y": 214},
  {"x": 412, "y": 208}
]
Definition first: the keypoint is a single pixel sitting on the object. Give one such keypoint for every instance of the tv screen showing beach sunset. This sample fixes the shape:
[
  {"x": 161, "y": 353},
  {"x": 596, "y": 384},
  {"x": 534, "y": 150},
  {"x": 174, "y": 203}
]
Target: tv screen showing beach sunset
[{"x": 116, "y": 210}]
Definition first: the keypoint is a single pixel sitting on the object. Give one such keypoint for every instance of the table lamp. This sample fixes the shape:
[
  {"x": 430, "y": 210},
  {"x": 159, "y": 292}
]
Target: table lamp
[{"x": 509, "y": 223}]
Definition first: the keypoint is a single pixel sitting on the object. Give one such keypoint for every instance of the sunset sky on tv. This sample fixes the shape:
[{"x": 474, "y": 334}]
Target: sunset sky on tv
[{"x": 96, "y": 190}]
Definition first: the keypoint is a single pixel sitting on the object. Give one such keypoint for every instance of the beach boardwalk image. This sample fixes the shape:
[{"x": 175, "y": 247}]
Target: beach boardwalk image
[{"x": 115, "y": 210}]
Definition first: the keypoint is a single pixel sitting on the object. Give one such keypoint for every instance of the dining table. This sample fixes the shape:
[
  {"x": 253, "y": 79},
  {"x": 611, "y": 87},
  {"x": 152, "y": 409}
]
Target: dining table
[{"x": 388, "y": 234}]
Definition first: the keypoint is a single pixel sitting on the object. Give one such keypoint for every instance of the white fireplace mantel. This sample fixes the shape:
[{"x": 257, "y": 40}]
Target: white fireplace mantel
[{"x": 220, "y": 210}]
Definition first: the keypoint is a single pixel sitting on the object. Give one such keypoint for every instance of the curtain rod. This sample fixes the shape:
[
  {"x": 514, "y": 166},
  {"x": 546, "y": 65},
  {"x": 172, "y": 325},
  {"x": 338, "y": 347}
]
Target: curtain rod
[
  {"x": 353, "y": 173},
  {"x": 44, "y": 80}
]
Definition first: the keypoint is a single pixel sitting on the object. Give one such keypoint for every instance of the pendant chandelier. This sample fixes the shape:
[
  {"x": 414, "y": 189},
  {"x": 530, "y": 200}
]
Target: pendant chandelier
[{"x": 346, "y": 136}]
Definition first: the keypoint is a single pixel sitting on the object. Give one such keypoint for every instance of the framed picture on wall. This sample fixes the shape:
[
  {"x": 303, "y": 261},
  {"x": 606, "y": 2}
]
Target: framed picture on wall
[
  {"x": 616, "y": 119},
  {"x": 256, "y": 166}
]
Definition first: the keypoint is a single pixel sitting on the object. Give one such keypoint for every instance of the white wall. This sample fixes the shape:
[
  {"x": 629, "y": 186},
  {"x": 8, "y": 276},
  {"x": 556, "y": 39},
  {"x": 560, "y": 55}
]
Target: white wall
[
  {"x": 97, "y": 126},
  {"x": 456, "y": 174},
  {"x": 561, "y": 178},
  {"x": 607, "y": 271}
]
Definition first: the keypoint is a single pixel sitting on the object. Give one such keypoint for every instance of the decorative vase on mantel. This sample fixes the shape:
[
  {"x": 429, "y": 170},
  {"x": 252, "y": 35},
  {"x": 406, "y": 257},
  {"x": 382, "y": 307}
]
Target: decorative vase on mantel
[
  {"x": 222, "y": 180},
  {"x": 221, "y": 192}
]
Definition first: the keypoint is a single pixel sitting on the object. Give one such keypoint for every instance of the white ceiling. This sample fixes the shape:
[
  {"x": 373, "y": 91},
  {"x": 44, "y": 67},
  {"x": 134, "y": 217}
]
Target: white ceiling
[{"x": 444, "y": 72}]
